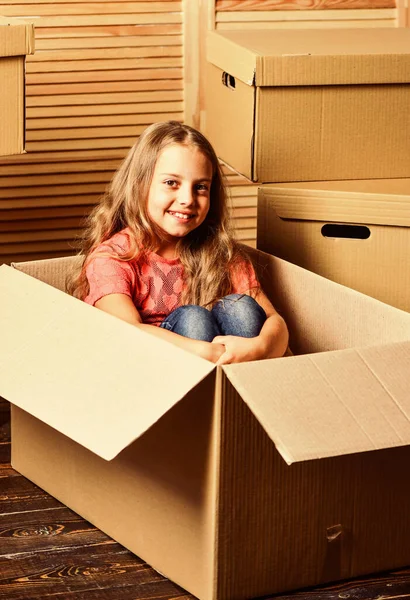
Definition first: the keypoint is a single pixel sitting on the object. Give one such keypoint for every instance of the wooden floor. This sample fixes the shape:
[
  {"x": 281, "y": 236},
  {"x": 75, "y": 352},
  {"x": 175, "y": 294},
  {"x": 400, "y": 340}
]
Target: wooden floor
[{"x": 48, "y": 551}]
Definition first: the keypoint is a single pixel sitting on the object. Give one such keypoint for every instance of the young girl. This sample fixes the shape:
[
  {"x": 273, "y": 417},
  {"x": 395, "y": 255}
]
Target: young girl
[{"x": 159, "y": 253}]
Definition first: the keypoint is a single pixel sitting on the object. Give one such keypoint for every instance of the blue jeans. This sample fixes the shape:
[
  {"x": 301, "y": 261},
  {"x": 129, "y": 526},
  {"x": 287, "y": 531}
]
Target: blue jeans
[{"x": 236, "y": 314}]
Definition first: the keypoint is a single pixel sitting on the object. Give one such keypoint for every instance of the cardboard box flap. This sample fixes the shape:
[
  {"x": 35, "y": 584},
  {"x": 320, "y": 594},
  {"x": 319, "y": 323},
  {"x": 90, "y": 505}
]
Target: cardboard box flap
[
  {"x": 312, "y": 57},
  {"x": 372, "y": 204},
  {"x": 331, "y": 403},
  {"x": 16, "y": 37},
  {"x": 91, "y": 376}
]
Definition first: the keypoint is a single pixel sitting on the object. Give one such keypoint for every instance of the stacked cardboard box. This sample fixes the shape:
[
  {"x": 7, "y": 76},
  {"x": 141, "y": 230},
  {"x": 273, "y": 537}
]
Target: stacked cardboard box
[
  {"x": 321, "y": 107},
  {"x": 354, "y": 232},
  {"x": 312, "y": 105},
  {"x": 16, "y": 41}
]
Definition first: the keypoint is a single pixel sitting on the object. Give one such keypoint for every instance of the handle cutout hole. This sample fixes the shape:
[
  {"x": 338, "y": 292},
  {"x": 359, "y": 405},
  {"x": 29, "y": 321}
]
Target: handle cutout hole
[
  {"x": 228, "y": 80},
  {"x": 353, "y": 232}
]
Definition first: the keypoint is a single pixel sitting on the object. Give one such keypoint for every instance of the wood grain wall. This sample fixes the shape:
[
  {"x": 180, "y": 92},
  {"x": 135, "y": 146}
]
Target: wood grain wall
[
  {"x": 104, "y": 70},
  {"x": 232, "y": 14}
]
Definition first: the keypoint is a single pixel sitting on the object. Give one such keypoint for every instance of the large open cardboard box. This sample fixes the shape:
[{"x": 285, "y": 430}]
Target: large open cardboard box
[
  {"x": 356, "y": 233},
  {"x": 310, "y": 105},
  {"x": 16, "y": 41},
  {"x": 234, "y": 482}
]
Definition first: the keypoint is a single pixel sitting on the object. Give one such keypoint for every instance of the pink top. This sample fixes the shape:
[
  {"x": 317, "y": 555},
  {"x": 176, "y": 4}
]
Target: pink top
[{"x": 153, "y": 283}]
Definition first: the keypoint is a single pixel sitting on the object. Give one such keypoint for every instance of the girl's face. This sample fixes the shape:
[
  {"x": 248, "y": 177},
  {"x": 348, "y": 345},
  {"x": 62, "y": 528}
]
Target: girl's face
[{"x": 179, "y": 196}]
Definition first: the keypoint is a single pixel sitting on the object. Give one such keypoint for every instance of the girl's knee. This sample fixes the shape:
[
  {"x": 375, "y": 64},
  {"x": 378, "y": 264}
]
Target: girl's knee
[
  {"x": 239, "y": 314},
  {"x": 192, "y": 321},
  {"x": 191, "y": 313},
  {"x": 198, "y": 323},
  {"x": 239, "y": 305}
]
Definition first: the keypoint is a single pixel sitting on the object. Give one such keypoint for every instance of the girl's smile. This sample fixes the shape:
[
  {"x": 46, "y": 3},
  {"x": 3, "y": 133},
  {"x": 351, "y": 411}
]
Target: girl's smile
[
  {"x": 180, "y": 215},
  {"x": 179, "y": 196}
]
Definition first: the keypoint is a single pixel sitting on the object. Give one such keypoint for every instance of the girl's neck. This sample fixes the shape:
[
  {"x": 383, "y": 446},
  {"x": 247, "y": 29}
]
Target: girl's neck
[{"x": 167, "y": 250}]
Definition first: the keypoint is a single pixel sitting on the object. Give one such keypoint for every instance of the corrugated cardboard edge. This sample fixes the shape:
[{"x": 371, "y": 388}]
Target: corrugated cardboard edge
[
  {"x": 50, "y": 270},
  {"x": 264, "y": 64},
  {"x": 334, "y": 205},
  {"x": 231, "y": 57},
  {"x": 216, "y": 484},
  {"x": 19, "y": 36},
  {"x": 30, "y": 38}
]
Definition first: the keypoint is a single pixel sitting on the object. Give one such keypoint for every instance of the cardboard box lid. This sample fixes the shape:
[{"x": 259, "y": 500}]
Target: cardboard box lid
[
  {"x": 103, "y": 382},
  {"x": 330, "y": 403},
  {"x": 16, "y": 37},
  {"x": 312, "y": 57},
  {"x": 87, "y": 374},
  {"x": 370, "y": 202}
]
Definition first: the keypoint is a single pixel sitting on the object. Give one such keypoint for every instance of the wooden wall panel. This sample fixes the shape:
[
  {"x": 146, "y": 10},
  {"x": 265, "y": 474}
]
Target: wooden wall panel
[
  {"x": 285, "y": 14},
  {"x": 257, "y": 5},
  {"x": 101, "y": 73}
]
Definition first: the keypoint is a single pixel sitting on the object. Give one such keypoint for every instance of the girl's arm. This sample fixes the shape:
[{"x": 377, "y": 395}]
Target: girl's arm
[
  {"x": 122, "y": 306},
  {"x": 272, "y": 342}
]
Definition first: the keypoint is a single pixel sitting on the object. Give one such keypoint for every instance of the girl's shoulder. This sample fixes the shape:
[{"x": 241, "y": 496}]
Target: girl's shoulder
[
  {"x": 119, "y": 244},
  {"x": 243, "y": 275},
  {"x": 241, "y": 258}
]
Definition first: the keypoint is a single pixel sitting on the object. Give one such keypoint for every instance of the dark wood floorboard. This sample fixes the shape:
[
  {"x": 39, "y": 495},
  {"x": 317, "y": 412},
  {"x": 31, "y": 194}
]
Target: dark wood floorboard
[{"x": 49, "y": 552}]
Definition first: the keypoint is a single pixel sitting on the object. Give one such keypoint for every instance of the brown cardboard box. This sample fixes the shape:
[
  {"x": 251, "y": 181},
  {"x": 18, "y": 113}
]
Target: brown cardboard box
[
  {"x": 356, "y": 233},
  {"x": 310, "y": 105},
  {"x": 234, "y": 482},
  {"x": 16, "y": 40}
]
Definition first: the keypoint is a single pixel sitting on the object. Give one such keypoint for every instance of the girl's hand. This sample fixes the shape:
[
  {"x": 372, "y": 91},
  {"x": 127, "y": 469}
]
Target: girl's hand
[
  {"x": 210, "y": 351},
  {"x": 272, "y": 341},
  {"x": 238, "y": 349}
]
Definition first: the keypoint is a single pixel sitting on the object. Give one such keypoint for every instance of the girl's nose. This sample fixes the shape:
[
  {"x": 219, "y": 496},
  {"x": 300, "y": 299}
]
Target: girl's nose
[{"x": 186, "y": 196}]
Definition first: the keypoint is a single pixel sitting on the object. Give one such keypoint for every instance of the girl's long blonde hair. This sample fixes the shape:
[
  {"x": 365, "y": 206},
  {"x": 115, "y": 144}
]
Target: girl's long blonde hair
[{"x": 208, "y": 253}]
